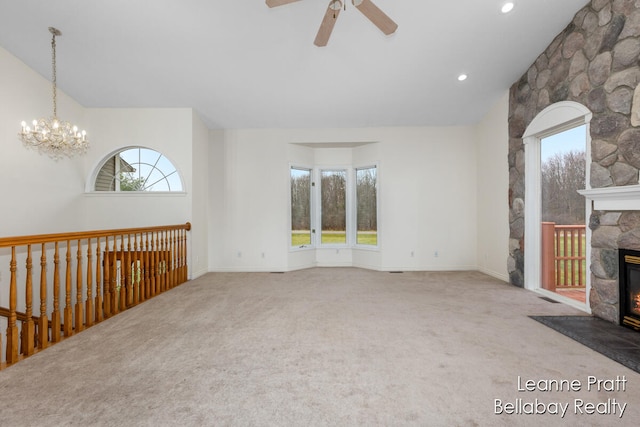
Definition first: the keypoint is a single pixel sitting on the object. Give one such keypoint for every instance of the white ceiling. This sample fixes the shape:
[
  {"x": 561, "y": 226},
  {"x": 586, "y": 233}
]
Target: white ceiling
[{"x": 241, "y": 64}]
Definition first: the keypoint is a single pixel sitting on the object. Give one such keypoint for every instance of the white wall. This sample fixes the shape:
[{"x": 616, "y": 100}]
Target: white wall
[
  {"x": 199, "y": 199},
  {"x": 427, "y": 197},
  {"x": 492, "y": 186},
  {"x": 166, "y": 130},
  {"x": 216, "y": 200},
  {"x": 38, "y": 195},
  {"x": 440, "y": 188}
]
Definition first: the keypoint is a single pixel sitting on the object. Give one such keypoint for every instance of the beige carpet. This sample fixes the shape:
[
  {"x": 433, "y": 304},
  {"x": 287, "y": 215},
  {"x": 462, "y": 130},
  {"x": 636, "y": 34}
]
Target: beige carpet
[{"x": 332, "y": 346}]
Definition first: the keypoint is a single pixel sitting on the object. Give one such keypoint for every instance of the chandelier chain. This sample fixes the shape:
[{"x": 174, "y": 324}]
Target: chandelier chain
[{"x": 54, "y": 78}]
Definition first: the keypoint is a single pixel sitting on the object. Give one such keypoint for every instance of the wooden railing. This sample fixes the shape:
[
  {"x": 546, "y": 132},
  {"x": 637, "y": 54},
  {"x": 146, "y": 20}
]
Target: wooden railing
[
  {"x": 563, "y": 256},
  {"x": 84, "y": 278}
]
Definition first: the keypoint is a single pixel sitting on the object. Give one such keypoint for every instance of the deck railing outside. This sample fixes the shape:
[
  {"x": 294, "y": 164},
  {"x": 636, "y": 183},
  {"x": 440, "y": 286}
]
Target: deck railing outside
[
  {"x": 60, "y": 284},
  {"x": 563, "y": 256}
]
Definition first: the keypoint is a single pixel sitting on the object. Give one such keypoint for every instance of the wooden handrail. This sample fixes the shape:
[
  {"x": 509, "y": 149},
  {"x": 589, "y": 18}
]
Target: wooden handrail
[
  {"x": 96, "y": 275},
  {"x": 59, "y": 237},
  {"x": 5, "y": 312}
]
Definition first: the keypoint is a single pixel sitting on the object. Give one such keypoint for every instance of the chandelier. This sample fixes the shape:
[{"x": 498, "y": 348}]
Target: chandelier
[{"x": 51, "y": 135}]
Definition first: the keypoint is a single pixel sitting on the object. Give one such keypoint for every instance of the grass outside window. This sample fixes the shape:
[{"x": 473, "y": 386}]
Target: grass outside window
[{"x": 301, "y": 238}]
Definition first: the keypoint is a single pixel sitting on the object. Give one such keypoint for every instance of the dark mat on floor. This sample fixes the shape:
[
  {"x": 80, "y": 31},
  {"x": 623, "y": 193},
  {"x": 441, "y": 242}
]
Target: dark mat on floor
[{"x": 616, "y": 342}]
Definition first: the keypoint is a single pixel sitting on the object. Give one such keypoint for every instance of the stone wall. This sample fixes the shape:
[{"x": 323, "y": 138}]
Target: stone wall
[{"x": 594, "y": 61}]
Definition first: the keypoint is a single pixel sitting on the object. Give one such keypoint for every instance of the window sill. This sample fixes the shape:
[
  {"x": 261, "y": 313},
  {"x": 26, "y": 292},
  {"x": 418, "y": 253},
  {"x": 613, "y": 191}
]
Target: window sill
[{"x": 135, "y": 194}]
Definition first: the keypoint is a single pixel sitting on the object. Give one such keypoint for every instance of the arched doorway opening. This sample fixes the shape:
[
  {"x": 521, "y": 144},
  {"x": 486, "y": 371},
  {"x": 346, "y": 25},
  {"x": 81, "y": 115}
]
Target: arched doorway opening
[{"x": 557, "y": 255}]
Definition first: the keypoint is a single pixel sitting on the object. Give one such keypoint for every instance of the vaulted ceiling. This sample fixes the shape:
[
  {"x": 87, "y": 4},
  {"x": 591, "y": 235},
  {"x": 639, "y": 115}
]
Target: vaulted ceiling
[{"x": 241, "y": 64}]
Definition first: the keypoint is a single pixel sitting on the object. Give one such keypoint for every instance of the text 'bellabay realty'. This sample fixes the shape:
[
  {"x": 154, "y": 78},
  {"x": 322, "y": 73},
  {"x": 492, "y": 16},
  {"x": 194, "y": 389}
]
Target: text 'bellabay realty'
[{"x": 578, "y": 406}]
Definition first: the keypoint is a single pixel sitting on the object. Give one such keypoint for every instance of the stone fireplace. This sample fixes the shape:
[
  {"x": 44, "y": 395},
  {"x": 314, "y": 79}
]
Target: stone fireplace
[
  {"x": 615, "y": 226},
  {"x": 593, "y": 62}
]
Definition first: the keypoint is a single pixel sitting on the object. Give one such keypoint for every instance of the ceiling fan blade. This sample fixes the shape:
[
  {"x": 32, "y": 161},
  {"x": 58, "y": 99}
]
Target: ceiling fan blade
[
  {"x": 326, "y": 27},
  {"x": 274, "y": 3},
  {"x": 377, "y": 16}
]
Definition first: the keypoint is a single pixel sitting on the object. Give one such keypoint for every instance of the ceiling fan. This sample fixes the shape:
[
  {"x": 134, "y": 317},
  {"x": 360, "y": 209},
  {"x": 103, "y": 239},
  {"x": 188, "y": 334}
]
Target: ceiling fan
[{"x": 368, "y": 9}]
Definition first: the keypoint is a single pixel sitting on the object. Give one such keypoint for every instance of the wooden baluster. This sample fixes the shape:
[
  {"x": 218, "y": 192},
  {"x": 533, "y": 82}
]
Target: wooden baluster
[
  {"x": 136, "y": 270},
  {"x": 129, "y": 274},
  {"x": 98, "y": 307},
  {"x": 181, "y": 256},
  {"x": 28, "y": 328},
  {"x": 68, "y": 311},
  {"x": 79, "y": 307},
  {"x": 153, "y": 268},
  {"x": 90, "y": 302},
  {"x": 12, "y": 327},
  {"x": 185, "y": 274},
  {"x": 43, "y": 322},
  {"x": 172, "y": 258},
  {"x": 147, "y": 283},
  {"x": 581, "y": 280},
  {"x": 123, "y": 276},
  {"x": 572, "y": 253},
  {"x": 165, "y": 268},
  {"x": 159, "y": 263},
  {"x": 55, "y": 315},
  {"x": 176, "y": 258},
  {"x": 114, "y": 278},
  {"x": 566, "y": 252},
  {"x": 169, "y": 258},
  {"x": 176, "y": 251},
  {"x": 107, "y": 281}
]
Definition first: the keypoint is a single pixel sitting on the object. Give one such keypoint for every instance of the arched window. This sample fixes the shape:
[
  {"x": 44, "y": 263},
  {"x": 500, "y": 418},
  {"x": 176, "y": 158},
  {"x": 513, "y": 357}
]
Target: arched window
[{"x": 137, "y": 169}]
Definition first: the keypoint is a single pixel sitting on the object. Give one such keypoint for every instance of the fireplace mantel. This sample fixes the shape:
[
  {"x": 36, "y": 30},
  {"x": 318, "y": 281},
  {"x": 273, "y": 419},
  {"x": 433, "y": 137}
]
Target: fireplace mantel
[{"x": 622, "y": 198}]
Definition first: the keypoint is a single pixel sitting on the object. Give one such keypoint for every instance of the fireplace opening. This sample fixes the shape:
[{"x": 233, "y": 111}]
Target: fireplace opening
[{"x": 629, "y": 278}]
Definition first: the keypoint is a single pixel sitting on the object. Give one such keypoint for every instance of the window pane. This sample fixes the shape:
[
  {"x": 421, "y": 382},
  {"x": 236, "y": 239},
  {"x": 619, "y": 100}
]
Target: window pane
[
  {"x": 334, "y": 213},
  {"x": 367, "y": 213},
  {"x": 300, "y": 207},
  {"x": 138, "y": 169}
]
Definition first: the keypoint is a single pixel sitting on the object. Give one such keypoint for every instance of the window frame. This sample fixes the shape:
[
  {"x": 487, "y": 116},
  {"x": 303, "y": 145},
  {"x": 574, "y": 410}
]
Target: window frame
[
  {"x": 91, "y": 182},
  {"x": 348, "y": 206},
  {"x": 351, "y": 207},
  {"x": 312, "y": 245},
  {"x": 355, "y": 209}
]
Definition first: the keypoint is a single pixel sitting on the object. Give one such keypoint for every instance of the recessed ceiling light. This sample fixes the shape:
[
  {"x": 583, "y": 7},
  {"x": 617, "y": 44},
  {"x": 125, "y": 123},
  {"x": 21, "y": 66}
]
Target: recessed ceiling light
[
  {"x": 507, "y": 7},
  {"x": 462, "y": 77}
]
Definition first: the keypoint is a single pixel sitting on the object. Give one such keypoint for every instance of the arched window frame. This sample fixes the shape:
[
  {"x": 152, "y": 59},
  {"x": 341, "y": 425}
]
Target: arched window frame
[{"x": 91, "y": 182}]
